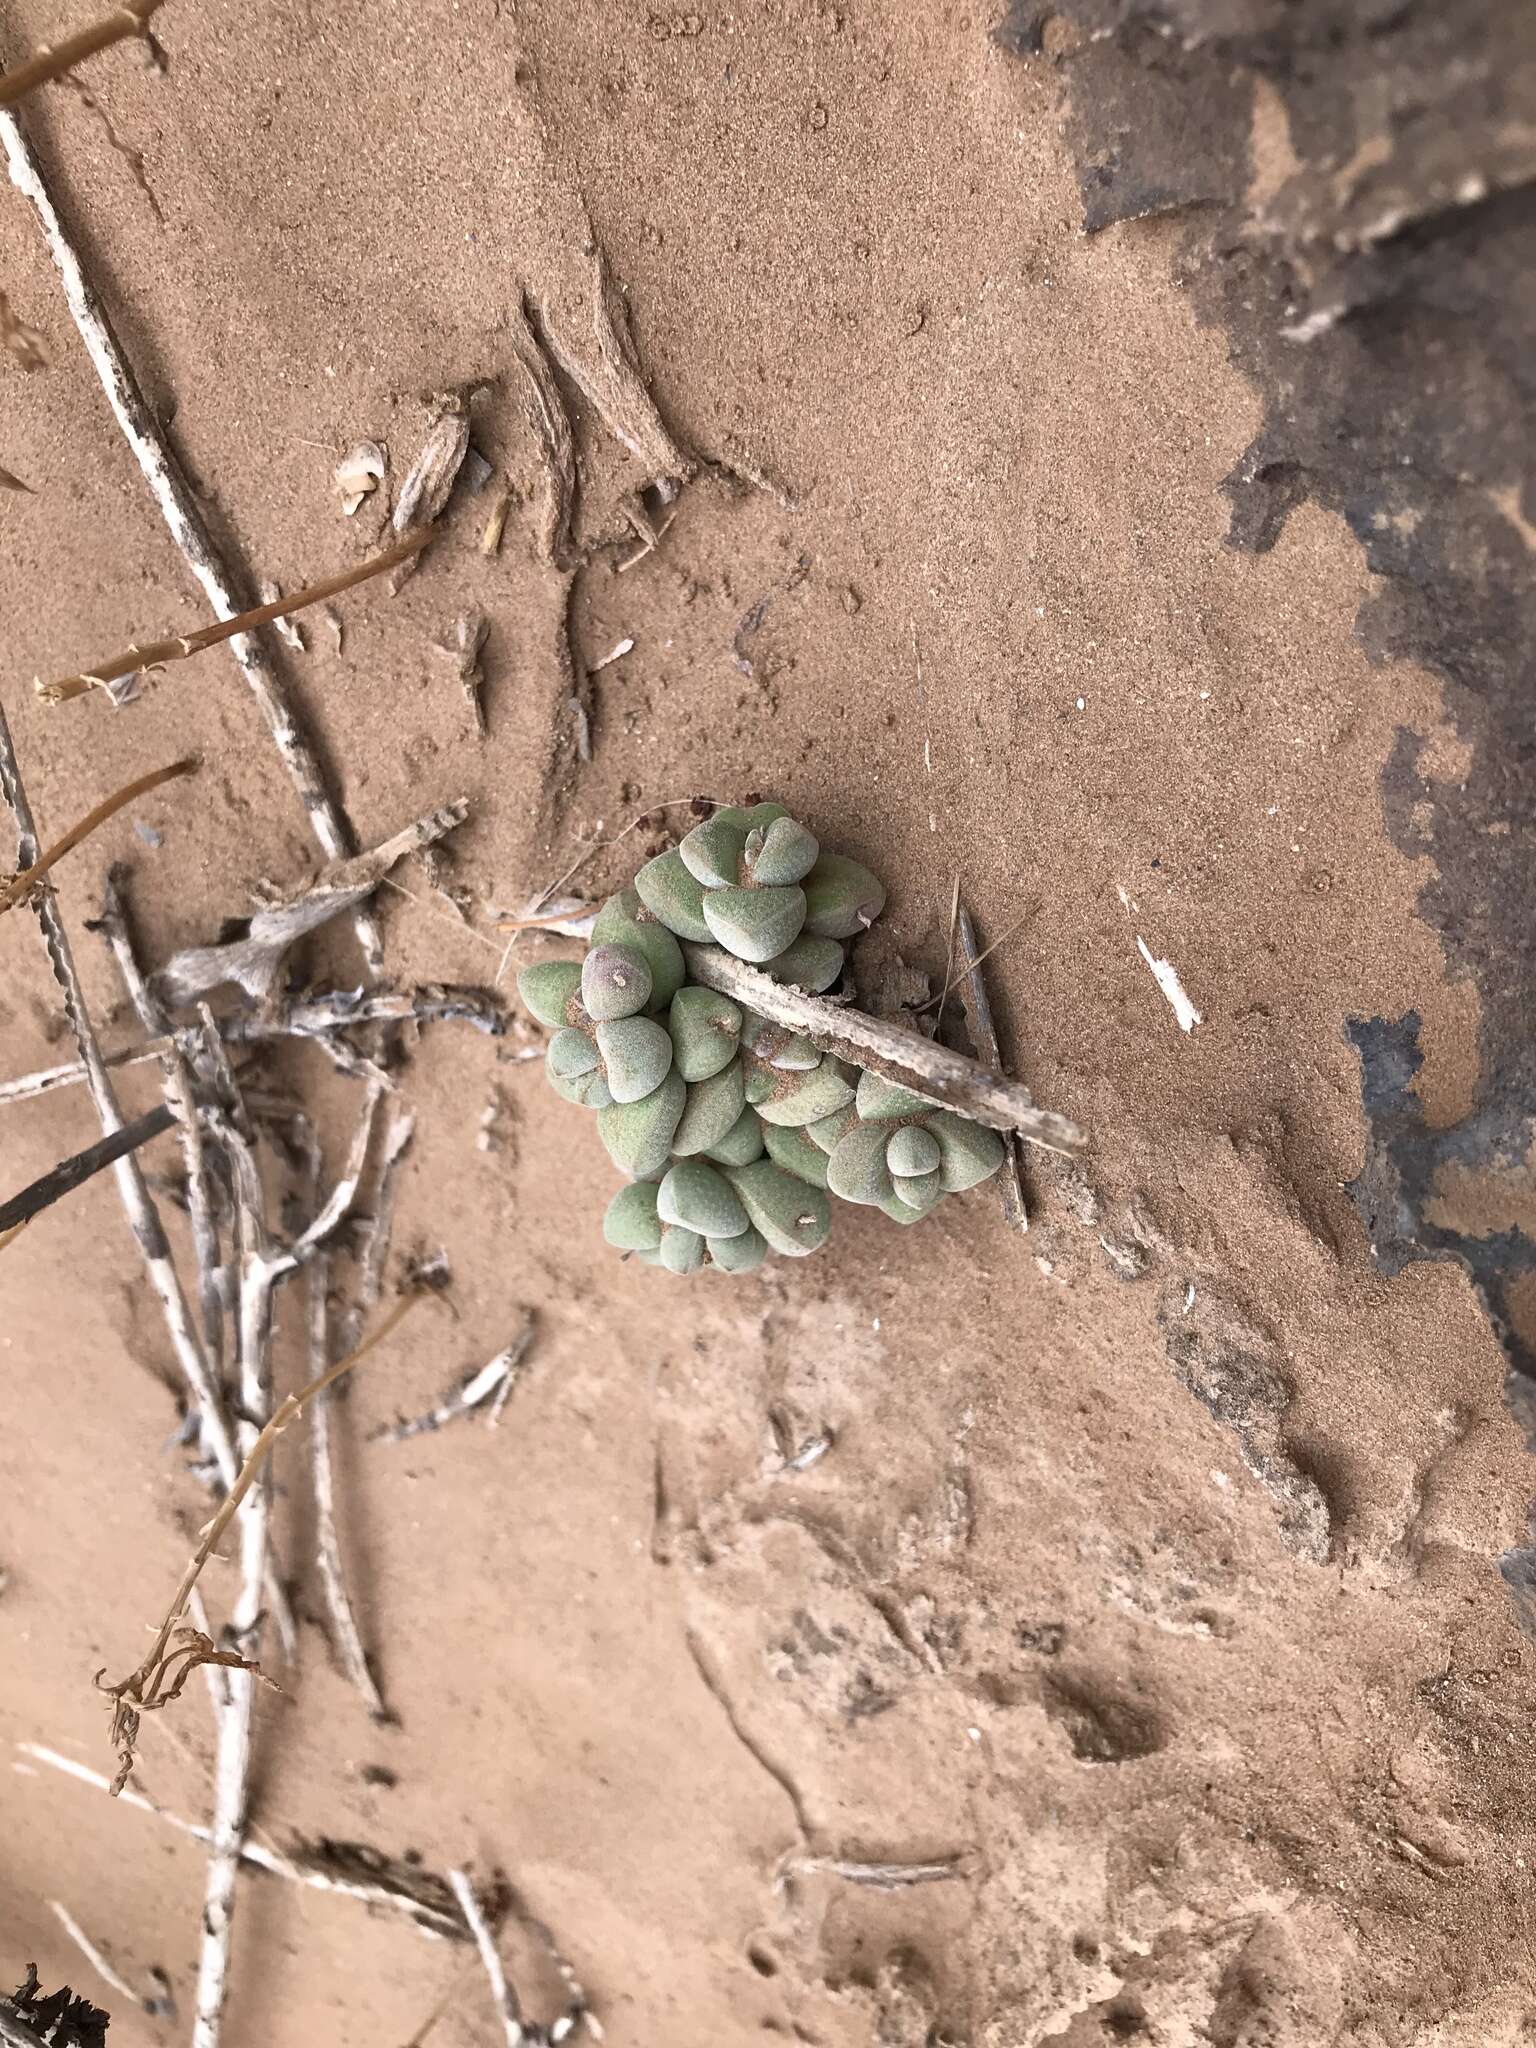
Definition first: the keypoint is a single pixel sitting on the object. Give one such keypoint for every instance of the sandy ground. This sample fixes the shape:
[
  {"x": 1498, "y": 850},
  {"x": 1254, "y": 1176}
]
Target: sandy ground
[{"x": 1149, "y": 1583}]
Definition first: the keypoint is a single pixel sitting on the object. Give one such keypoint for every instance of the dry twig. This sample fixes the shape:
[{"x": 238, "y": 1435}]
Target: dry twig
[
  {"x": 12, "y": 892},
  {"x": 431, "y": 477},
  {"x": 69, "y": 1174},
  {"x": 179, "y": 509},
  {"x": 128, "y": 18},
  {"x": 978, "y": 1017},
  {"x": 346, "y": 1636},
  {"x": 902, "y": 1056},
  {"x": 179, "y": 646},
  {"x": 494, "y": 1381}
]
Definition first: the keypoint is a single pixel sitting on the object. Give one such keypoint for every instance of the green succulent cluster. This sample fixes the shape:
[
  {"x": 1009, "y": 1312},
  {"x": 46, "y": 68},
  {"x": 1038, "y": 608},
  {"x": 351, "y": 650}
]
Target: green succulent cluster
[{"x": 732, "y": 1131}]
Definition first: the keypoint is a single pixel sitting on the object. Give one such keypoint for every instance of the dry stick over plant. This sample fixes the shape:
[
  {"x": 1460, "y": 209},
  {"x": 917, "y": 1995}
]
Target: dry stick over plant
[
  {"x": 978, "y": 1016},
  {"x": 902, "y": 1056},
  {"x": 421, "y": 1895},
  {"x": 162, "y": 1675},
  {"x": 180, "y": 646},
  {"x": 131, "y": 18},
  {"x": 12, "y": 892},
  {"x": 179, "y": 509}
]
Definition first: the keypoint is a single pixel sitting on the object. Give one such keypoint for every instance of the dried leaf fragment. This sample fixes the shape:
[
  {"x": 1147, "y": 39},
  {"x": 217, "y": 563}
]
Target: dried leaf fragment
[
  {"x": 432, "y": 476},
  {"x": 288, "y": 630},
  {"x": 255, "y": 960},
  {"x": 464, "y": 651},
  {"x": 359, "y": 472},
  {"x": 14, "y": 483},
  {"x": 21, "y": 341}
]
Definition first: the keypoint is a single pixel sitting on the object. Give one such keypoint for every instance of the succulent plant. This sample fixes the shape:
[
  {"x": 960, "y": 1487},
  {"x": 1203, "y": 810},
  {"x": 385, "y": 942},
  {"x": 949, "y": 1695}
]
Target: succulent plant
[{"x": 732, "y": 1131}]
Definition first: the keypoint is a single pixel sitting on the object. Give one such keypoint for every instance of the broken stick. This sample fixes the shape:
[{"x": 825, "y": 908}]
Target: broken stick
[
  {"x": 182, "y": 645},
  {"x": 902, "y": 1056},
  {"x": 129, "y": 18}
]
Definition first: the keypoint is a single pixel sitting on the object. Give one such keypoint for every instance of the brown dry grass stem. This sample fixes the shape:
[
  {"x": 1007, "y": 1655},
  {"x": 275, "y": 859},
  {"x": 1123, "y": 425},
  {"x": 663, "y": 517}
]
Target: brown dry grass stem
[
  {"x": 52, "y": 60},
  {"x": 177, "y": 1652},
  {"x": 180, "y": 646},
  {"x": 13, "y": 891}
]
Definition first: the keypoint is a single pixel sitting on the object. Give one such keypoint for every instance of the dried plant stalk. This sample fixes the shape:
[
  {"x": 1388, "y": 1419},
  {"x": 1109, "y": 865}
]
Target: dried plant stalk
[
  {"x": 143, "y": 1217},
  {"x": 180, "y": 646},
  {"x": 160, "y": 1677},
  {"x": 71, "y": 1173},
  {"x": 180, "y": 1099},
  {"x": 180, "y": 511},
  {"x": 902, "y": 1056},
  {"x": 978, "y": 1016},
  {"x": 131, "y": 18},
  {"x": 346, "y": 1636},
  {"x": 421, "y": 1895},
  {"x": 11, "y": 892}
]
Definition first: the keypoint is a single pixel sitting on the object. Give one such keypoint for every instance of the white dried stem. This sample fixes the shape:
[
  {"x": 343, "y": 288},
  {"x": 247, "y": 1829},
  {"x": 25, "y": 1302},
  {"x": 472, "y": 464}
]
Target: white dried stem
[
  {"x": 180, "y": 1097},
  {"x": 143, "y": 1216},
  {"x": 298, "y": 1865},
  {"x": 493, "y": 1381},
  {"x": 375, "y": 1233},
  {"x": 901, "y": 1056},
  {"x": 26, "y": 1087},
  {"x": 93, "y": 1955},
  {"x": 179, "y": 509},
  {"x": 346, "y": 1636},
  {"x": 508, "y": 2011}
]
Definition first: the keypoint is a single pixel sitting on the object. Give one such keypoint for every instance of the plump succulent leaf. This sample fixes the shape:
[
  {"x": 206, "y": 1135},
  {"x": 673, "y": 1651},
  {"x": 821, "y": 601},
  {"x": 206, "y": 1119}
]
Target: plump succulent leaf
[
  {"x": 829, "y": 1131},
  {"x": 639, "y": 1134},
  {"x": 842, "y": 898},
  {"x": 625, "y": 921},
  {"x": 712, "y": 852},
  {"x": 742, "y": 1143},
  {"x": 805, "y": 1098},
  {"x": 630, "y": 1223},
  {"x": 899, "y": 1212},
  {"x": 810, "y": 964},
  {"x": 738, "y": 1254},
  {"x": 753, "y": 817},
  {"x": 912, "y": 1150},
  {"x": 794, "y": 1218},
  {"x": 712, "y": 1108},
  {"x": 591, "y": 1090},
  {"x": 754, "y": 924},
  {"x": 881, "y": 1100},
  {"x": 637, "y": 1056},
  {"x": 857, "y": 1170},
  {"x": 920, "y": 1191},
  {"x": 782, "y": 852},
  {"x": 671, "y": 894},
  {"x": 570, "y": 1054},
  {"x": 615, "y": 982},
  {"x": 706, "y": 1030},
  {"x": 789, "y": 1147},
  {"x": 971, "y": 1152},
  {"x": 694, "y": 1195},
  {"x": 551, "y": 990},
  {"x": 682, "y": 1251}
]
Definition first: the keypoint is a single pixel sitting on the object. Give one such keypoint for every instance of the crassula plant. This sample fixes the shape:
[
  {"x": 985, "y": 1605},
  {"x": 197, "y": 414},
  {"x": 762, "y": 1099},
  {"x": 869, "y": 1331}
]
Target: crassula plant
[{"x": 733, "y": 1132}]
